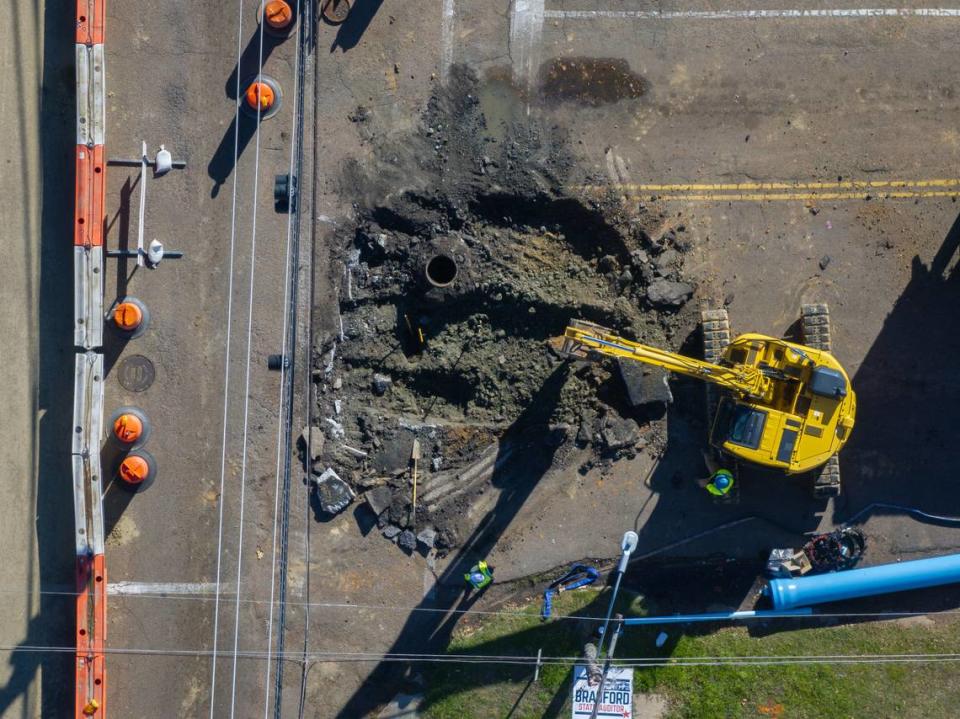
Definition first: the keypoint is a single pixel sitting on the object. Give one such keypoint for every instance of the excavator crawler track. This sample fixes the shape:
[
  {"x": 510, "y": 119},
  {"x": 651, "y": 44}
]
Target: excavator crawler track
[
  {"x": 815, "y": 320},
  {"x": 716, "y": 337}
]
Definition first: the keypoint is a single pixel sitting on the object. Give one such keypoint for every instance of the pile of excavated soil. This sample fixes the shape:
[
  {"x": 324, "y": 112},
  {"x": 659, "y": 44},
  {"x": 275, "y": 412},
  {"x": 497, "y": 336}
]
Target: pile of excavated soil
[{"x": 469, "y": 253}]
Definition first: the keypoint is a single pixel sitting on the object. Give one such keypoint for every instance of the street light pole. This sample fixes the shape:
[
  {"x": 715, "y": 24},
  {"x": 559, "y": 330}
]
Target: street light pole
[{"x": 627, "y": 545}]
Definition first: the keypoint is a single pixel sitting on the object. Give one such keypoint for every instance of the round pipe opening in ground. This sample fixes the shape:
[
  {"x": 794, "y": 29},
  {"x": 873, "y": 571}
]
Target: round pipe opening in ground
[{"x": 441, "y": 270}]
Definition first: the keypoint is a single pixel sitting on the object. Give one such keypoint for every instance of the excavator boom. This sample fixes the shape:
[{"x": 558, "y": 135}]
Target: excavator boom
[{"x": 581, "y": 338}]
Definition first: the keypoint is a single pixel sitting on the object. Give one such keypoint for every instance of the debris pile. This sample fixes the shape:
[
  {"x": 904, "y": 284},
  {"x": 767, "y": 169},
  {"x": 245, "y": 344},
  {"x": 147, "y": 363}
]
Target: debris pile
[{"x": 454, "y": 284}]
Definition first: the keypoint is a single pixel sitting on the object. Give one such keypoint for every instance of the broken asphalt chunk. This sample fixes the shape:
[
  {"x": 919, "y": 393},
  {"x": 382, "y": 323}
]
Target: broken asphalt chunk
[
  {"x": 381, "y": 383},
  {"x": 667, "y": 293},
  {"x": 378, "y": 499},
  {"x": 645, "y": 385},
  {"x": 335, "y": 494},
  {"x": 427, "y": 537},
  {"x": 620, "y": 434},
  {"x": 407, "y": 540},
  {"x": 314, "y": 437}
]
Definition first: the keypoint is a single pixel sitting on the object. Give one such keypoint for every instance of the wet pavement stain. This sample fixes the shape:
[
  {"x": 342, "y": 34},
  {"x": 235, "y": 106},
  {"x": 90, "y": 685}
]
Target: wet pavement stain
[{"x": 589, "y": 81}]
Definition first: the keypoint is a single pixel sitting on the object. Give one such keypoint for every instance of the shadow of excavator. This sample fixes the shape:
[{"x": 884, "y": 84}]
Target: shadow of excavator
[{"x": 903, "y": 449}]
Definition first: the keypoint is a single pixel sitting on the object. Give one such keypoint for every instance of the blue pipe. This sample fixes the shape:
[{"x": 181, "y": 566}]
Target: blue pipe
[
  {"x": 717, "y": 617},
  {"x": 853, "y": 583}
]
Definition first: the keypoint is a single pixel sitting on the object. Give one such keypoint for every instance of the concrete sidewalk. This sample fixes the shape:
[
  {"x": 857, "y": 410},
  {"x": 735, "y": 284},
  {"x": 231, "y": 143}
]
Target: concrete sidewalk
[{"x": 37, "y": 123}]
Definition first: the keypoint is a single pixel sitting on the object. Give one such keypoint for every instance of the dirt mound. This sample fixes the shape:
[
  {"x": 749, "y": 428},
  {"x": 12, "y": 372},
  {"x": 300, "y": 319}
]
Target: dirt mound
[{"x": 465, "y": 260}]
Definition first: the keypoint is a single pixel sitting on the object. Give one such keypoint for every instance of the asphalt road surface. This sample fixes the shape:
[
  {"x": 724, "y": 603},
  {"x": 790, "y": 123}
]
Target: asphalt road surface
[{"x": 739, "y": 114}]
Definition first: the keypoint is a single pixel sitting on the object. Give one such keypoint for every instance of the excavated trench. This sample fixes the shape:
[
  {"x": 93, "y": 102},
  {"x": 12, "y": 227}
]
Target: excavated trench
[{"x": 452, "y": 296}]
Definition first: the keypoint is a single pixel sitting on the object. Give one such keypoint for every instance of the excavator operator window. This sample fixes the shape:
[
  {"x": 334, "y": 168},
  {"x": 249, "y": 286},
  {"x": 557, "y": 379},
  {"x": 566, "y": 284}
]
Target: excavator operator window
[{"x": 740, "y": 424}]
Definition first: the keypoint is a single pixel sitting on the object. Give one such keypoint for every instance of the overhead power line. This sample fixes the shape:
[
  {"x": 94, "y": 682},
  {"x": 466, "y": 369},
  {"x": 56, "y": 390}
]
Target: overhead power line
[
  {"x": 160, "y": 596},
  {"x": 636, "y": 662}
]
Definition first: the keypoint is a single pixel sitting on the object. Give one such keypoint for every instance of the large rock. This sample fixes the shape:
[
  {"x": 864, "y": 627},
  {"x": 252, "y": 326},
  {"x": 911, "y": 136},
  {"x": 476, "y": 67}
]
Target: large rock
[
  {"x": 393, "y": 454},
  {"x": 620, "y": 434},
  {"x": 667, "y": 293},
  {"x": 407, "y": 540},
  {"x": 666, "y": 263},
  {"x": 644, "y": 384},
  {"x": 428, "y": 537},
  {"x": 585, "y": 432},
  {"x": 378, "y": 499},
  {"x": 381, "y": 383},
  {"x": 315, "y": 438},
  {"x": 335, "y": 494}
]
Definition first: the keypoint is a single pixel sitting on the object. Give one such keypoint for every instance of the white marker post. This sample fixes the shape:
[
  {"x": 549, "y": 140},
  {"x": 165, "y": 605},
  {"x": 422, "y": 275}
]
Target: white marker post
[{"x": 143, "y": 203}]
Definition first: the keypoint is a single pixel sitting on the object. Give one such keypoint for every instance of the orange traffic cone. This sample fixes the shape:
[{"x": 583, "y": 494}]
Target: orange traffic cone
[
  {"x": 137, "y": 470},
  {"x": 262, "y": 97},
  {"x": 130, "y": 427},
  {"x": 260, "y": 94},
  {"x": 130, "y": 317},
  {"x": 279, "y": 17}
]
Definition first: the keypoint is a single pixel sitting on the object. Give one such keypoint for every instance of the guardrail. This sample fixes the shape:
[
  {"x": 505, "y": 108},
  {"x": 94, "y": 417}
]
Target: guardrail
[{"x": 89, "y": 219}]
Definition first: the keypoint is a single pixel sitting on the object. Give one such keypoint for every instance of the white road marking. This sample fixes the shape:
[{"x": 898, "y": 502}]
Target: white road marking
[
  {"x": 526, "y": 29},
  {"x": 160, "y": 588},
  {"x": 446, "y": 38},
  {"x": 849, "y": 13}
]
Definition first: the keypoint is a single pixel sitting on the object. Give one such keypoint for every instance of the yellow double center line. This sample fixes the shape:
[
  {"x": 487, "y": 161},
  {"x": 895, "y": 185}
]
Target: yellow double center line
[{"x": 784, "y": 191}]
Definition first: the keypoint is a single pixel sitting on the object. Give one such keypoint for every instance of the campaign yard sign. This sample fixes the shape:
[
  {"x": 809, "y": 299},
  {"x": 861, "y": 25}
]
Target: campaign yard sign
[{"x": 617, "y": 699}]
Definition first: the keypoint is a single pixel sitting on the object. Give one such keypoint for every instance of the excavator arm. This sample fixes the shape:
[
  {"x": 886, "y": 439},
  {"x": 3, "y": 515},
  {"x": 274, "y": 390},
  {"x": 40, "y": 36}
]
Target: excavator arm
[{"x": 581, "y": 339}]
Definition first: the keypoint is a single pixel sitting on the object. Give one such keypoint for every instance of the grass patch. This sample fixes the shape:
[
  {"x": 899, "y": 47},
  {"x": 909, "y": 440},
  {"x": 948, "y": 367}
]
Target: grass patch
[{"x": 801, "y": 691}]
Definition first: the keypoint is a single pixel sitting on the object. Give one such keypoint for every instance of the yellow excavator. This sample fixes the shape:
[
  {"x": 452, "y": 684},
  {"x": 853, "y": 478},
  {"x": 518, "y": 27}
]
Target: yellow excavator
[{"x": 780, "y": 405}]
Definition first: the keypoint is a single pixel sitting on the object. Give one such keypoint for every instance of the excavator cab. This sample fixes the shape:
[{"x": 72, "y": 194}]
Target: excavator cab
[
  {"x": 799, "y": 418},
  {"x": 740, "y": 425}
]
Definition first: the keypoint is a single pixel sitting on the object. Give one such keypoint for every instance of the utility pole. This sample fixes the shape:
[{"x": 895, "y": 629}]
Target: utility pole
[
  {"x": 627, "y": 545},
  {"x": 617, "y": 631}
]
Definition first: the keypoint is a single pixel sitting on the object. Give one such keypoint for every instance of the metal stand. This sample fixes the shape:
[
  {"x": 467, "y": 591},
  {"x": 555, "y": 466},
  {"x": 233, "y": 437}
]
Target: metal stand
[{"x": 160, "y": 166}]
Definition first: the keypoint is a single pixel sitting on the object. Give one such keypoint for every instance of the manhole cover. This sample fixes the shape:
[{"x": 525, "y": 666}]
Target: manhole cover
[
  {"x": 136, "y": 373},
  {"x": 336, "y": 11}
]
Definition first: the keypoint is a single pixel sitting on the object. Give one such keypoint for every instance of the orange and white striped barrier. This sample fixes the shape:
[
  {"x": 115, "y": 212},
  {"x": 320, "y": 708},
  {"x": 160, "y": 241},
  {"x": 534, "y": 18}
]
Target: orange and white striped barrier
[{"x": 90, "y": 685}]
